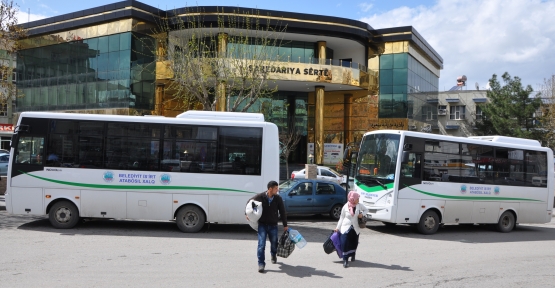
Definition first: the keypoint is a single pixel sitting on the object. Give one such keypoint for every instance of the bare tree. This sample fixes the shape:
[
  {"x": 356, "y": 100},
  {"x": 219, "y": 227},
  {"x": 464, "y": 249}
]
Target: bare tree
[
  {"x": 232, "y": 57},
  {"x": 289, "y": 138},
  {"x": 10, "y": 32},
  {"x": 547, "y": 119}
]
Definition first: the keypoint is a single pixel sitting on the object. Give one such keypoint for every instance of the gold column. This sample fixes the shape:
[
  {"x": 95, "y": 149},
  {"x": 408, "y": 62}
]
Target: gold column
[
  {"x": 159, "y": 100},
  {"x": 321, "y": 52},
  {"x": 347, "y": 128},
  {"x": 319, "y": 126},
  {"x": 220, "y": 94},
  {"x": 220, "y": 90}
]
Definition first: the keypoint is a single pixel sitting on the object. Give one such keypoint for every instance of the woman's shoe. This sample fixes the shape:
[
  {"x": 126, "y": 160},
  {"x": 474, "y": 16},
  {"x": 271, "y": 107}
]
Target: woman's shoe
[
  {"x": 345, "y": 263},
  {"x": 353, "y": 258}
]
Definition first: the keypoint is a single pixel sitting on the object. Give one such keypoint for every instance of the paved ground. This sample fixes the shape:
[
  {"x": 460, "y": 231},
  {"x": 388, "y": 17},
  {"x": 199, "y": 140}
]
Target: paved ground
[{"x": 112, "y": 253}]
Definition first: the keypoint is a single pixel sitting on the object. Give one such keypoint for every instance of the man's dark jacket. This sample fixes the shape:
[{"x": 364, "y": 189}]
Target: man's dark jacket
[{"x": 270, "y": 211}]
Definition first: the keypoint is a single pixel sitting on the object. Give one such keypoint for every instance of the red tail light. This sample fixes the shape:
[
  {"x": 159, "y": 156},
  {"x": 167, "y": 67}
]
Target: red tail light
[{"x": 292, "y": 176}]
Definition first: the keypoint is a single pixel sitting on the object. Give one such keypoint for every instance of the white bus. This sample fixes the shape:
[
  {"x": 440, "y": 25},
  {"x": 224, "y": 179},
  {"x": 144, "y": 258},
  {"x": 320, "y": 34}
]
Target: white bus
[
  {"x": 198, "y": 167},
  {"x": 427, "y": 180}
]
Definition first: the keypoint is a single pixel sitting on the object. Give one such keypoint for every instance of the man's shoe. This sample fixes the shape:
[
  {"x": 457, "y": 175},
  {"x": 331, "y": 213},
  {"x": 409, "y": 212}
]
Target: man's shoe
[
  {"x": 353, "y": 258},
  {"x": 261, "y": 268},
  {"x": 345, "y": 263},
  {"x": 274, "y": 259}
]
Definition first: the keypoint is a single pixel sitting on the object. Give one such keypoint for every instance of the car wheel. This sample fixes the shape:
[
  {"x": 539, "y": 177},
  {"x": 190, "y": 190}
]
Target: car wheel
[
  {"x": 506, "y": 222},
  {"x": 429, "y": 223},
  {"x": 190, "y": 219},
  {"x": 63, "y": 215},
  {"x": 335, "y": 212}
]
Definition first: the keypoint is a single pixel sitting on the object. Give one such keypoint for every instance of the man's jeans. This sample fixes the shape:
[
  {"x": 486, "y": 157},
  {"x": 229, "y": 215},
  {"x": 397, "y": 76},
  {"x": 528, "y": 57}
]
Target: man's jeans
[{"x": 271, "y": 231}]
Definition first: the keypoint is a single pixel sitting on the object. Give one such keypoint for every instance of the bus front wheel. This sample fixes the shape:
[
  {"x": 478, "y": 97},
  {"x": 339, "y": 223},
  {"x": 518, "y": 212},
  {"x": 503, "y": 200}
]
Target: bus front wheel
[
  {"x": 190, "y": 219},
  {"x": 429, "y": 223},
  {"x": 506, "y": 222},
  {"x": 63, "y": 215}
]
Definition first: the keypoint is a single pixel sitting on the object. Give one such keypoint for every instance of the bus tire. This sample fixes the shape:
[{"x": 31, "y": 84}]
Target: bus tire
[
  {"x": 190, "y": 219},
  {"x": 429, "y": 223},
  {"x": 63, "y": 215},
  {"x": 506, "y": 222},
  {"x": 335, "y": 212}
]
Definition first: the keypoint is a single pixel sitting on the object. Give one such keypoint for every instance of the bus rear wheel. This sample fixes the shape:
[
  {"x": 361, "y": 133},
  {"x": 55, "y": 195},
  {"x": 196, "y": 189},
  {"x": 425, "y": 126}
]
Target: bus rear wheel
[
  {"x": 429, "y": 223},
  {"x": 63, "y": 215},
  {"x": 506, "y": 222},
  {"x": 190, "y": 219}
]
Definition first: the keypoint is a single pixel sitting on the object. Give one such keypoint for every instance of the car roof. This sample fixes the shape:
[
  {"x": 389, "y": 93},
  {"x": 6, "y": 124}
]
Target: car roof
[{"x": 307, "y": 180}]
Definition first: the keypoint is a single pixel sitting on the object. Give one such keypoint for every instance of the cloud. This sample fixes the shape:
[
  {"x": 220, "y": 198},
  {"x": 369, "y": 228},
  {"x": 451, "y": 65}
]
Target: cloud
[
  {"x": 481, "y": 38},
  {"x": 23, "y": 17},
  {"x": 365, "y": 7}
]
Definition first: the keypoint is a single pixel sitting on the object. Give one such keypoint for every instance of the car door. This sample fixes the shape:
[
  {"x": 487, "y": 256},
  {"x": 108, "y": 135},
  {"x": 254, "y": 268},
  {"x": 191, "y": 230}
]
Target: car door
[
  {"x": 4, "y": 159},
  {"x": 299, "y": 198},
  {"x": 325, "y": 196}
]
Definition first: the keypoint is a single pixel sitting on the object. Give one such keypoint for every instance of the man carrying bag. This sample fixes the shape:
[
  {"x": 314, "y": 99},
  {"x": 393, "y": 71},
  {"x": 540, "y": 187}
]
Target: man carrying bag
[{"x": 267, "y": 224}]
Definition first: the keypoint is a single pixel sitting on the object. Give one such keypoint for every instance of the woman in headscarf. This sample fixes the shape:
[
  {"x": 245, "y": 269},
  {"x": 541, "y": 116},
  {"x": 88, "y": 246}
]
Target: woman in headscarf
[{"x": 349, "y": 228}]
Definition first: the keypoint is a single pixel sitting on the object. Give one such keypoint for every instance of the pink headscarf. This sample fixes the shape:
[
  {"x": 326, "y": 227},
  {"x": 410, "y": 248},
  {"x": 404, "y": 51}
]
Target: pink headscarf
[{"x": 353, "y": 197}]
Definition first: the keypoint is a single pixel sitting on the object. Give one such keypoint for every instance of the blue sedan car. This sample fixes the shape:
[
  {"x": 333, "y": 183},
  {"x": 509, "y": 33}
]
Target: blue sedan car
[{"x": 306, "y": 196}]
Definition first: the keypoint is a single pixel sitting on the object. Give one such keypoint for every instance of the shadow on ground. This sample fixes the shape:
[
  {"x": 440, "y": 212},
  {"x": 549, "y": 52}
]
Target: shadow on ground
[{"x": 473, "y": 233}]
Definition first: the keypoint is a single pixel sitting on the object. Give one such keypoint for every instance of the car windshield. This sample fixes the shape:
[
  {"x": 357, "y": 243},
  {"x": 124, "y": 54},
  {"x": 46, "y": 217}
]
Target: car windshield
[
  {"x": 287, "y": 184},
  {"x": 377, "y": 159},
  {"x": 335, "y": 172}
]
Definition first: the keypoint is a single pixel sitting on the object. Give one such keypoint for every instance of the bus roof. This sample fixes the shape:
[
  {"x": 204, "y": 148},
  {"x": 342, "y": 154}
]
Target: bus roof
[
  {"x": 498, "y": 140},
  {"x": 198, "y": 118},
  {"x": 256, "y": 117}
]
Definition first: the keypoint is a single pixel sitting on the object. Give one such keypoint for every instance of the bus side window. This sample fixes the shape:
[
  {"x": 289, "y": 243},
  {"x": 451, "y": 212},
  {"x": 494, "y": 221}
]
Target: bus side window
[{"x": 29, "y": 150}]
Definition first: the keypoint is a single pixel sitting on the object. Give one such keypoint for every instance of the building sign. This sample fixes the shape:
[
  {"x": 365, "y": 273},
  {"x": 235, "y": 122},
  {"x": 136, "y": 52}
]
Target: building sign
[
  {"x": 333, "y": 153},
  {"x": 6, "y": 128}
]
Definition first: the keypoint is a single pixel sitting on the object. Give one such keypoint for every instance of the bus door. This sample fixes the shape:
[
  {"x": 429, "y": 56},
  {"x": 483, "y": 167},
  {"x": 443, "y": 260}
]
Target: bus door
[
  {"x": 411, "y": 162},
  {"x": 28, "y": 141}
]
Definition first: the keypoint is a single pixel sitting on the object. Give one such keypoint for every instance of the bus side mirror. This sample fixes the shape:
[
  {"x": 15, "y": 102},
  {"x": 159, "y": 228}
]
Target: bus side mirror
[
  {"x": 13, "y": 142},
  {"x": 407, "y": 147},
  {"x": 353, "y": 154},
  {"x": 405, "y": 157}
]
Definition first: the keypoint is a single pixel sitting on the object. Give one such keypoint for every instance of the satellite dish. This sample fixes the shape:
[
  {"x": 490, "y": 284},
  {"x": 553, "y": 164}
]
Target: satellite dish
[{"x": 477, "y": 86}]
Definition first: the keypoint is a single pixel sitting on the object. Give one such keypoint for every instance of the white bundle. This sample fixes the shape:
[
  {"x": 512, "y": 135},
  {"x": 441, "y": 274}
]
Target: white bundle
[{"x": 254, "y": 211}]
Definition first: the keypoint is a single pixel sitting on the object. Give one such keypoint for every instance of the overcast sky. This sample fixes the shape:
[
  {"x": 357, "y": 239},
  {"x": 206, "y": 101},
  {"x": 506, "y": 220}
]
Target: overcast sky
[{"x": 475, "y": 38}]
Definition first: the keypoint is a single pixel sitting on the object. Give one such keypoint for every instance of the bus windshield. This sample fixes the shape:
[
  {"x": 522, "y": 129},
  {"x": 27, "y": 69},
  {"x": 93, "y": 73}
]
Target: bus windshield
[{"x": 377, "y": 159}]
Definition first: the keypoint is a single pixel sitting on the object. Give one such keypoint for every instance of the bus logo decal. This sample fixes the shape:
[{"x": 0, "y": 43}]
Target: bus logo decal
[
  {"x": 165, "y": 179},
  {"x": 463, "y": 189},
  {"x": 496, "y": 190},
  {"x": 108, "y": 176}
]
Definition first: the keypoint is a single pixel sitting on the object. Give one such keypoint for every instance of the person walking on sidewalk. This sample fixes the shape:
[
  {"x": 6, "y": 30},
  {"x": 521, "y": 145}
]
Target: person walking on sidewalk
[
  {"x": 268, "y": 222},
  {"x": 349, "y": 228}
]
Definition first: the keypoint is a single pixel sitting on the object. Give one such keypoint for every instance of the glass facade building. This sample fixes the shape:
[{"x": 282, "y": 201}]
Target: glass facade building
[
  {"x": 401, "y": 75},
  {"x": 114, "y": 71},
  {"x": 335, "y": 78}
]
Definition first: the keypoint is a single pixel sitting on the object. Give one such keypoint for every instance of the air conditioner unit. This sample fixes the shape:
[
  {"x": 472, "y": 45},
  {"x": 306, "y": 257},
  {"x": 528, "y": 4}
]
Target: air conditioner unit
[
  {"x": 412, "y": 127},
  {"x": 442, "y": 112}
]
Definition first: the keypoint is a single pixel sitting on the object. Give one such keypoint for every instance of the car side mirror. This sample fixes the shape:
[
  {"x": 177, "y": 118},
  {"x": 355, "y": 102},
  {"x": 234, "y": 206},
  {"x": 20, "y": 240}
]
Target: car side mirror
[{"x": 292, "y": 193}]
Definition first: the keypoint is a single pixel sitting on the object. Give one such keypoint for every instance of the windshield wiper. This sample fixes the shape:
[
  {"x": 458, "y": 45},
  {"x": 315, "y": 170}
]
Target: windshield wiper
[{"x": 364, "y": 181}]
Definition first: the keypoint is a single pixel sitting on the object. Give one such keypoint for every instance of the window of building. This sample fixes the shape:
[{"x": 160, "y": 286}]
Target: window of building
[
  {"x": 457, "y": 112},
  {"x": 429, "y": 113},
  {"x": 479, "y": 114}
]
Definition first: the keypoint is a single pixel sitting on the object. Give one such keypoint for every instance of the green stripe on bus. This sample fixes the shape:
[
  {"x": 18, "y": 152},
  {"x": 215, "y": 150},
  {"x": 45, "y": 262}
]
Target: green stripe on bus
[
  {"x": 470, "y": 197},
  {"x": 127, "y": 187},
  {"x": 376, "y": 188}
]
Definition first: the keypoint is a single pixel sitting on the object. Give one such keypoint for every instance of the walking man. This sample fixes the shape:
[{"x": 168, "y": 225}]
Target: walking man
[{"x": 267, "y": 224}]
